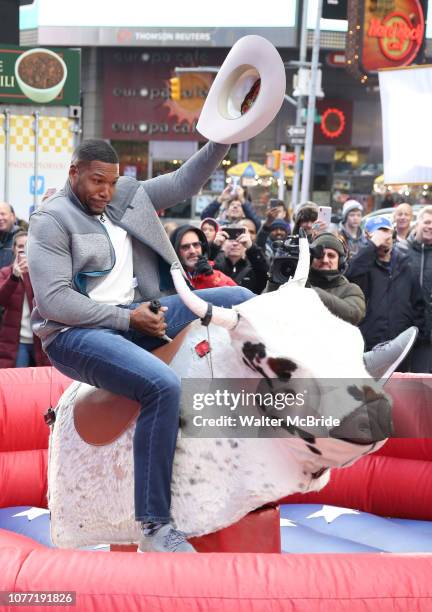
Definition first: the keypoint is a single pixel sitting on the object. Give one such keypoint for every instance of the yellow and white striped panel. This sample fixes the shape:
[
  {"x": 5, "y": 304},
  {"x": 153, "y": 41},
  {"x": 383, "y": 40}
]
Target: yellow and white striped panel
[
  {"x": 55, "y": 135},
  {"x": 2, "y": 134}
]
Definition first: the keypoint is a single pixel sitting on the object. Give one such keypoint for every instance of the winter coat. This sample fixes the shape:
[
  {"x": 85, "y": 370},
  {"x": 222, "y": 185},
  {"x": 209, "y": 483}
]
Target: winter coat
[
  {"x": 69, "y": 250},
  {"x": 265, "y": 243},
  {"x": 209, "y": 281},
  {"x": 353, "y": 244},
  {"x": 250, "y": 272},
  {"x": 420, "y": 256},
  {"x": 342, "y": 298},
  {"x": 12, "y": 291},
  {"x": 393, "y": 295}
]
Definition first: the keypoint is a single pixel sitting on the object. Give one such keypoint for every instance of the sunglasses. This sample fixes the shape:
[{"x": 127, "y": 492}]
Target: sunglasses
[{"x": 186, "y": 247}]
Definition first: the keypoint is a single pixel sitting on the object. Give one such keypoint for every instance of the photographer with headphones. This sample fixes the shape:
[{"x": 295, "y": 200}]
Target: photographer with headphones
[
  {"x": 342, "y": 298},
  {"x": 328, "y": 262}
]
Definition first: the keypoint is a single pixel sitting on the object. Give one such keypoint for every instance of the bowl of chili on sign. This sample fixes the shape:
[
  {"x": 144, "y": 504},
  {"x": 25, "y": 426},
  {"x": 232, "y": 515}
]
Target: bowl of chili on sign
[{"x": 40, "y": 74}]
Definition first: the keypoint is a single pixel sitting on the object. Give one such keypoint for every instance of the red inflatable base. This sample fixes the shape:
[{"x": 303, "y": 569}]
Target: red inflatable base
[
  {"x": 218, "y": 583},
  {"x": 395, "y": 482}
]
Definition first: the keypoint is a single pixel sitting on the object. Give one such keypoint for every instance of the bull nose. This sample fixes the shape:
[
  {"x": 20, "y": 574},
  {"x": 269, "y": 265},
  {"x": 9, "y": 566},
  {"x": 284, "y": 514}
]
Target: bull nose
[{"x": 368, "y": 423}]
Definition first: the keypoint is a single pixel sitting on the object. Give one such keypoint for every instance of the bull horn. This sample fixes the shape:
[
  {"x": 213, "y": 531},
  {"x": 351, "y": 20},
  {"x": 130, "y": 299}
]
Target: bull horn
[
  {"x": 302, "y": 270},
  {"x": 225, "y": 317}
]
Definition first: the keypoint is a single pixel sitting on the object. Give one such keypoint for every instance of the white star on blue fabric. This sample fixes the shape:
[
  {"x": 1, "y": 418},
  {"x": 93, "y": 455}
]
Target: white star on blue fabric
[
  {"x": 32, "y": 513},
  {"x": 284, "y": 522},
  {"x": 330, "y": 513}
]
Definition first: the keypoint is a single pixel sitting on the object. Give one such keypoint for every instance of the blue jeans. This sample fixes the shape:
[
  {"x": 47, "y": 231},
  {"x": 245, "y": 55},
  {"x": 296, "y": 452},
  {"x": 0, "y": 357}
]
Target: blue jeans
[
  {"x": 25, "y": 355},
  {"x": 120, "y": 362}
]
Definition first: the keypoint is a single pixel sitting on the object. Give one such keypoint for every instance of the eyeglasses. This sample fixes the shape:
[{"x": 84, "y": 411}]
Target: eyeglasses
[{"x": 186, "y": 247}]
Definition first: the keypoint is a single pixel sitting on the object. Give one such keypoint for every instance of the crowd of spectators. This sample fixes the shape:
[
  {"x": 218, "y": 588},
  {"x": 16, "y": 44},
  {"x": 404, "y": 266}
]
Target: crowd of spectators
[{"x": 377, "y": 275}]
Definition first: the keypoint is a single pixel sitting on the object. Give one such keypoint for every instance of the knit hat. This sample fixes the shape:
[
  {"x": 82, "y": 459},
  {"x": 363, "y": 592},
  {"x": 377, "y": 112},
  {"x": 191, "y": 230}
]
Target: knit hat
[
  {"x": 326, "y": 240},
  {"x": 210, "y": 221},
  {"x": 308, "y": 211},
  {"x": 348, "y": 207},
  {"x": 280, "y": 224},
  {"x": 305, "y": 208}
]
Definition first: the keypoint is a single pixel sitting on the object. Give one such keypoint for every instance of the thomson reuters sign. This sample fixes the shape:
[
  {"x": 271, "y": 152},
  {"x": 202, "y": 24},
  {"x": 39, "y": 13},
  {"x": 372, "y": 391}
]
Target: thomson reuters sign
[{"x": 383, "y": 34}]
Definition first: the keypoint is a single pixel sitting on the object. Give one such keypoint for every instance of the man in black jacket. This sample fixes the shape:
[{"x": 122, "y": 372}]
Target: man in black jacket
[
  {"x": 420, "y": 254},
  {"x": 244, "y": 262},
  {"x": 394, "y": 300}
]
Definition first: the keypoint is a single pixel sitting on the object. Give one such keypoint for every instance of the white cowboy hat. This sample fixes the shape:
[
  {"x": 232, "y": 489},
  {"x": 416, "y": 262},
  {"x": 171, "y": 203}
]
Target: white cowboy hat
[{"x": 246, "y": 94}]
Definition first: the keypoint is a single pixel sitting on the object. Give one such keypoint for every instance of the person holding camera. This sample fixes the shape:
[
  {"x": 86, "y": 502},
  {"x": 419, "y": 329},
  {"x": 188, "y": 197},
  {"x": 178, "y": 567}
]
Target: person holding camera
[
  {"x": 230, "y": 207},
  {"x": 328, "y": 260},
  {"x": 242, "y": 260},
  {"x": 191, "y": 246},
  {"x": 18, "y": 346},
  {"x": 343, "y": 298},
  {"x": 276, "y": 227}
]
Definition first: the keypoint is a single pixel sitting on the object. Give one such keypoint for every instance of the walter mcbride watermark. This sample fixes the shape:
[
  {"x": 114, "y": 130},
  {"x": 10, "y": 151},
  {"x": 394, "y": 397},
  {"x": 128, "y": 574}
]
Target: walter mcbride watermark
[{"x": 349, "y": 409}]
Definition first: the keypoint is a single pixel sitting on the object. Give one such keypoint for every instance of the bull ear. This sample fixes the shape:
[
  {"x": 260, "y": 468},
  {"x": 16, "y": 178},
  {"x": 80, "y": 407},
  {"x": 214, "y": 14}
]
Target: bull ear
[
  {"x": 225, "y": 317},
  {"x": 302, "y": 271}
]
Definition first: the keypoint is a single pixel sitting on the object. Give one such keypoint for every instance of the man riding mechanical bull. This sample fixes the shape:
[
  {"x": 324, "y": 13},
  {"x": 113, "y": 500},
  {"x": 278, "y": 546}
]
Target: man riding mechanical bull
[{"x": 100, "y": 267}]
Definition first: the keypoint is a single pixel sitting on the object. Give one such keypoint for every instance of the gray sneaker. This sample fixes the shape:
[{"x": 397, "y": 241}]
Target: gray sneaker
[
  {"x": 166, "y": 539},
  {"x": 384, "y": 358}
]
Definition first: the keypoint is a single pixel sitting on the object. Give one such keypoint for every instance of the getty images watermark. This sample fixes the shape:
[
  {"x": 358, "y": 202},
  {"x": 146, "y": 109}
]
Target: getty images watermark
[
  {"x": 357, "y": 410},
  {"x": 243, "y": 400},
  {"x": 256, "y": 408}
]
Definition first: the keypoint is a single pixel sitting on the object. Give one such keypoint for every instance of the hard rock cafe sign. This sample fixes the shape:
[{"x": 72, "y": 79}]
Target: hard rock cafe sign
[{"x": 383, "y": 34}]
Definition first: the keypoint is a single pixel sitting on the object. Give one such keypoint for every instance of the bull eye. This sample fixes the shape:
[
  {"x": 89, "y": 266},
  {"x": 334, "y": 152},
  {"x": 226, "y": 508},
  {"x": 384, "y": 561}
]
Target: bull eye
[
  {"x": 254, "y": 351},
  {"x": 282, "y": 367}
]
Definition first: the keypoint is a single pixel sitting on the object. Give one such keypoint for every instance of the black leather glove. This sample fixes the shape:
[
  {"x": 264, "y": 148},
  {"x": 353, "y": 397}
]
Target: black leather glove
[{"x": 203, "y": 266}]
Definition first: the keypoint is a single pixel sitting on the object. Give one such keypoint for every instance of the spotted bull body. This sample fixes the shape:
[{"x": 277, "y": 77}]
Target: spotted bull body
[{"x": 283, "y": 341}]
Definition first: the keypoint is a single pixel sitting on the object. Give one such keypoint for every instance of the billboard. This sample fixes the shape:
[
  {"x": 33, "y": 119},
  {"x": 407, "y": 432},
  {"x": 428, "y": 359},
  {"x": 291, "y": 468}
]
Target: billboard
[
  {"x": 168, "y": 23},
  {"x": 384, "y": 35},
  {"x": 406, "y": 100},
  {"x": 40, "y": 75},
  {"x": 136, "y": 93}
]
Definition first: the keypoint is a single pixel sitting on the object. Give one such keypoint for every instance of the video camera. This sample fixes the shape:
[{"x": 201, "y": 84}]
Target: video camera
[{"x": 286, "y": 258}]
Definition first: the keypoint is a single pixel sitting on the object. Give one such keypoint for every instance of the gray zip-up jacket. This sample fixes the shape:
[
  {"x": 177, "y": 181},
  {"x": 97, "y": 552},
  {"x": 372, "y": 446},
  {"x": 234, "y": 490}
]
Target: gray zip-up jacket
[{"x": 68, "y": 248}]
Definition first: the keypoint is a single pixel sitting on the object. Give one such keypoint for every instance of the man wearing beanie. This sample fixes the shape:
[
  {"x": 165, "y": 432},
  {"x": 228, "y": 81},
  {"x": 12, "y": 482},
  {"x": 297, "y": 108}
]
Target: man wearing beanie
[
  {"x": 268, "y": 235},
  {"x": 350, "y": 229},
  {"x": 342, "y": 298}
]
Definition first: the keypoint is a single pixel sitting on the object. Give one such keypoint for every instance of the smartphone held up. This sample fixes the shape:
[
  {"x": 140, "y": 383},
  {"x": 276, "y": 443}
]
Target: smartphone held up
[{"x": 324, "y": 215}]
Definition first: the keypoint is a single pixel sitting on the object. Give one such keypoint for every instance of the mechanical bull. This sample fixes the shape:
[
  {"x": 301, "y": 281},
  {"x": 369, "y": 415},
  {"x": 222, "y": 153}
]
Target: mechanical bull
[{"x": 284, "y": 340}]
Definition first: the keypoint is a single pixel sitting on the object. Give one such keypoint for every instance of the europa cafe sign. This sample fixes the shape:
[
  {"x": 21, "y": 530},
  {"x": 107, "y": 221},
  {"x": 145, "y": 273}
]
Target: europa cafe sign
[{"x": 383, "y": 34}]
